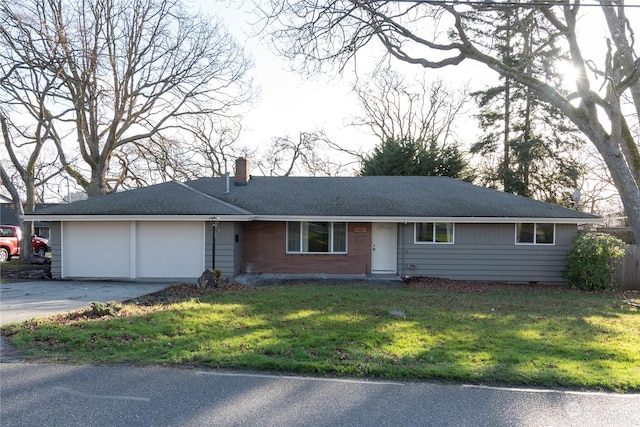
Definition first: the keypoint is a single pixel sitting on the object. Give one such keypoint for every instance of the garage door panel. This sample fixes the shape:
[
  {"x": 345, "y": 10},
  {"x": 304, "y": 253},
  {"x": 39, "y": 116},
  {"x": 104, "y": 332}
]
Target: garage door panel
[
  {"x": 96, "y": 249},
  {"x": 169, "y": 249}
]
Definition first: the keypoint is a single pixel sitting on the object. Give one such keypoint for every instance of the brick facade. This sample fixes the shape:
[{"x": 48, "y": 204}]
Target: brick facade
[{"x": 265, "y": 251}]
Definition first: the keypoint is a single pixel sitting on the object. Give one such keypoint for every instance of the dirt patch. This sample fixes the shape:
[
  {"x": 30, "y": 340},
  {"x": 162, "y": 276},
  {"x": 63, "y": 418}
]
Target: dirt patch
[
  {"x": 184, "y": 292},
  {"x": 474, "y": 286},
  {"x": 37, "y": 268},
  {"x": 628, "y": 298},
  {"x": 177, "y": 293}
]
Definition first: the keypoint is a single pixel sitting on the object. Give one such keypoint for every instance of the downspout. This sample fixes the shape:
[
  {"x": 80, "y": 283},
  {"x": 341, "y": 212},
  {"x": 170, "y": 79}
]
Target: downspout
[
  {"x": 401, "y": 270},
  {"x": 214, "y": 228},
  {"x": 213, "y": 248}
]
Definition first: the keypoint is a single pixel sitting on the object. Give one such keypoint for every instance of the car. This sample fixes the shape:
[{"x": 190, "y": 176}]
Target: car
[
  {"x": 40, "y": 245},
  {"x": 10, "y": 236}
]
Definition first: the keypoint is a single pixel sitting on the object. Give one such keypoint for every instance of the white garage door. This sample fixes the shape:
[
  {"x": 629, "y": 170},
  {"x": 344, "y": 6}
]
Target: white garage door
[
  {"x": 104, "y": 250},
  {"x": 96, "y": 249},
  {"x": 169, "y": 249}
]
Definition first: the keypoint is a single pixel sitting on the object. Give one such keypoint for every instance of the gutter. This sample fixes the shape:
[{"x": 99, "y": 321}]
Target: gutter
[
  {"x": 337, "y": 218},
  {"x": 103, "y": 218},
  {"x": 406, "y": 220}
]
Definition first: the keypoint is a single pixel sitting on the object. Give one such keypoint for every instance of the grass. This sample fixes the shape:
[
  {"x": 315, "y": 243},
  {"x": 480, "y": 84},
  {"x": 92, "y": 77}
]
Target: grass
[
  {"x": 14, "y": 265},
  {"x": 529, "y": 336}
]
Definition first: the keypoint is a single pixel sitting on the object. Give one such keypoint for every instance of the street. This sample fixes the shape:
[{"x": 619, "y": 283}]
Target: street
[{"x": 65, "y": 395}]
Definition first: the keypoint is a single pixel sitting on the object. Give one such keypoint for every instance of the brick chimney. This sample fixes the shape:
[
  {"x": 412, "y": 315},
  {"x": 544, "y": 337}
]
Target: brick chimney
[{"x": 242, "y": 171}]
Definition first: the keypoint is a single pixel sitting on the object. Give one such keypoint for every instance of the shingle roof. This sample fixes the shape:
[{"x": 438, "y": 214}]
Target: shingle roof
[
  {"x": 400, "y": 196},
  {"x": 8, "y": 215},
  {"x": 170, "y": 198},
  {"x": 378, "y": 196}
]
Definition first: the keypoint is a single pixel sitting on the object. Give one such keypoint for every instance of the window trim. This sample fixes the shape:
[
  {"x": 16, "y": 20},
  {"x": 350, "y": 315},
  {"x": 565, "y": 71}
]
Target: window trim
[
  {"x": 535, "y": 234},
  {"x": 434, "y": 242},
  {"x": 331, "y": 238}
]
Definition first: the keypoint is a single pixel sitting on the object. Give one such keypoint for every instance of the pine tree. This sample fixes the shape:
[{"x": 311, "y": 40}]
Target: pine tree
[
  {"x": 408, "y": 157},
  {"x": 533, "y": 138}
]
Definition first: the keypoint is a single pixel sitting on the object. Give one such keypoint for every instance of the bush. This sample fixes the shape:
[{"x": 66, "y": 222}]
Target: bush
[
  {"x": 589, "y": 262},
  {"x": 99, "y": 309}
]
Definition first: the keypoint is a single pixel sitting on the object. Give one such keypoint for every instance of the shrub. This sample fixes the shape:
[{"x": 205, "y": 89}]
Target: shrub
[
  {"x": 99, "y": 309},
  {"x": 590, "y": 261}
]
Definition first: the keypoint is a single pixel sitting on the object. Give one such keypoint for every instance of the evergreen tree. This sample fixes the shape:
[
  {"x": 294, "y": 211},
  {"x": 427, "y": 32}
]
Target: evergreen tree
[
  {"x": 408, "y": 157},
  {"x": 534, "y": 139}
]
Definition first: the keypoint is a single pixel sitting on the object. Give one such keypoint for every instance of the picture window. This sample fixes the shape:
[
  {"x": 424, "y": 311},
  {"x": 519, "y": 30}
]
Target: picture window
[{"x": 316, "y": 237}]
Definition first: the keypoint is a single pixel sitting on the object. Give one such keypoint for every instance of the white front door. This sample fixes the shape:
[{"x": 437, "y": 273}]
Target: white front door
[{"x": 384, "y": 248}]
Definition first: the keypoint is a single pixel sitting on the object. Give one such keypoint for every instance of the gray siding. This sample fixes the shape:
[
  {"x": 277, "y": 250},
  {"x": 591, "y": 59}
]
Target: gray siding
[
  {"x": 485, "y": 252},
  {"x": 55, "y": 241},
  {"x": 238, "y": 248},
  {"x": 228, "y": 251}
]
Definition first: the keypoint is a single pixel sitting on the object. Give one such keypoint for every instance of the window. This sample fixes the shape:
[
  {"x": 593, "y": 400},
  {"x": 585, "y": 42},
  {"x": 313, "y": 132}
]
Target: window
[
  {"x": 535, "y": 234},
  {"x": 316, "y": 237},
  {"x": 10, "y": 231},
  {"x": 434, "y": 232}
]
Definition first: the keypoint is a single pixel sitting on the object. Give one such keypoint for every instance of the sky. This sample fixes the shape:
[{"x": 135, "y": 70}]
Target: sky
[{"x": 289, "y": 102}]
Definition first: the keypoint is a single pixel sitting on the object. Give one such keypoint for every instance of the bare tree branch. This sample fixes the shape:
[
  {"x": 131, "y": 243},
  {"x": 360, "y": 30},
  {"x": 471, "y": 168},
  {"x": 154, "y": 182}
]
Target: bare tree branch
[
  {"x": 117, "y": 73},
  {"x": 395, "y": 108},
  {"x": 433, "y": 34},
  {"x": 311, "y": 154}
]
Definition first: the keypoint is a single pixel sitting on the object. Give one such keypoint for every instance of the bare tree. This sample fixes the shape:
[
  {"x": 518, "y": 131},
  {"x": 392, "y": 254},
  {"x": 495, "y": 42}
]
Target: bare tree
[
  {"x": 215, "y": 143},
  {"x": 115, "y": 73},
  {"x": 15, "y": 198},
  {"x": 27, "y": 169},
  {"x": 598, "y": 193},
  {"x": 605, "y": 105},
  {"x": 207, "y": 150},
  {"x": 402, "y": 109},
  {"x": 311, "y": 154}
]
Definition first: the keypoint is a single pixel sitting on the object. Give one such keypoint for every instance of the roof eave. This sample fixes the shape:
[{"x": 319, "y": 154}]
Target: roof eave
[
  {"x": 103, "y": 218},
  {"x": 411, "y": 219},
  {"x": 333, "y": 218}
]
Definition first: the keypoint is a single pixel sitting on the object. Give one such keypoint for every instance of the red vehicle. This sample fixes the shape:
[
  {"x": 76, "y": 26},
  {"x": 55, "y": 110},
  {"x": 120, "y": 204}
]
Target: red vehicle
[{"x": 10, "y": 237}]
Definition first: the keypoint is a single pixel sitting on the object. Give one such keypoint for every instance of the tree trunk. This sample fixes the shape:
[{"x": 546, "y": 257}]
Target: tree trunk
[
  {"x": 26, "y": 247},
  {"x": 98, "y": 186},
  {"x": 624, "y": 182},
  {"x": 506, "y": 160}
]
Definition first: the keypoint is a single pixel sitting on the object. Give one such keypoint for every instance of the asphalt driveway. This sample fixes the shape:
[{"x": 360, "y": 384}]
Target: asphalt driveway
[{"x": 24, "y": 300}]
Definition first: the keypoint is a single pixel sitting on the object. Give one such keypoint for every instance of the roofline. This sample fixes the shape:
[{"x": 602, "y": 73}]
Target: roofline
[
  {"x": 248, "y": 218},
  {"x": 103, "y": 218},
  {"x": 410, "y": 219},
  {"x": 210, "y": 197}
]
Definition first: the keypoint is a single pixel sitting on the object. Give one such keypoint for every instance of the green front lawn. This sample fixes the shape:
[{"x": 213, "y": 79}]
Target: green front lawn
[{"x": 530, "y": 336}]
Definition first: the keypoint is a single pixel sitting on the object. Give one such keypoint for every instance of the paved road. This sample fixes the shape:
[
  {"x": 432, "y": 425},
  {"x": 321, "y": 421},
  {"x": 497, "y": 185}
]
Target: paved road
[
  {"x": 69, "y": 395},
  {"x": 63, "y": 395}
]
